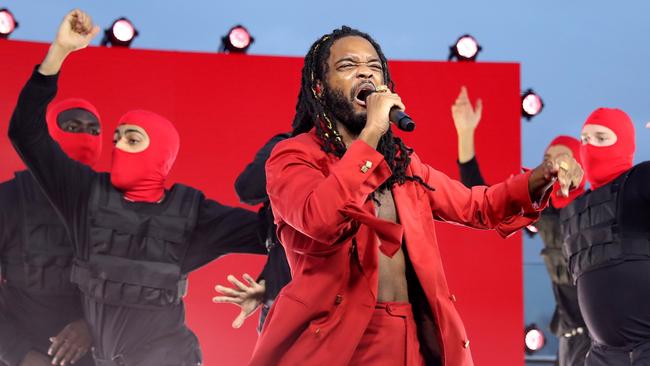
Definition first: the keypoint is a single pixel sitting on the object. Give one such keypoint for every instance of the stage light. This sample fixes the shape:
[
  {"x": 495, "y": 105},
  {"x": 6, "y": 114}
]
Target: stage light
[
  {"x": 120, "y": 34},
  {"x": 237, "y": 40},
  {"x": 531, "y": 104},
  {"x": 466, "y": 48},
  {"x": 534, "y": 339},
  {"x": 7, "y": 23},
  {"x": 532, "y": 228}
]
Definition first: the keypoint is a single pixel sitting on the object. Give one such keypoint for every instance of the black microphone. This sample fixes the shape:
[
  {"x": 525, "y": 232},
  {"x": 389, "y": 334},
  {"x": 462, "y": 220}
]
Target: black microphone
[{"x": 396, "y": 115}]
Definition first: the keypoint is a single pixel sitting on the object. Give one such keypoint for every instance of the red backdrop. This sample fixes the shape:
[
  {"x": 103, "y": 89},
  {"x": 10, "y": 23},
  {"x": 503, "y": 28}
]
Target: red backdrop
[{"x": 227, "y": 106}]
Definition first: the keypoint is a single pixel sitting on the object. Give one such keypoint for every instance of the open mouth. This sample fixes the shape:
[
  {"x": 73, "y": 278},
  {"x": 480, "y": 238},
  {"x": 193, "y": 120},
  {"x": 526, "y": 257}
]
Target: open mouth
[{"x": 363, "y": 91}]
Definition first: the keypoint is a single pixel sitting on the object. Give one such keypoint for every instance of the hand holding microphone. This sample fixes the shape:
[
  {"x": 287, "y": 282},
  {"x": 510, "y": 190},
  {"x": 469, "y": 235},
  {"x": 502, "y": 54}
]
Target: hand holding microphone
[{"x": 383, "y": 97}]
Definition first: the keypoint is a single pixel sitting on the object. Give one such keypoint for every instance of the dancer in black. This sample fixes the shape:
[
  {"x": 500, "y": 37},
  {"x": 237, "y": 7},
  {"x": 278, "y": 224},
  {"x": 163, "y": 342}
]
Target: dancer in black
[
  {"x": 567, "y": 322},
  {"x": 134, "y": 241},
  {"x": 607, "y": 240},
  {"x": 37, "y": 299}
]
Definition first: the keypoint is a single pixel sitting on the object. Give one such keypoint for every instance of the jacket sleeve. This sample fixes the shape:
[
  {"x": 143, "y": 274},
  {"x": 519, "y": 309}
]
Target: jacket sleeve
[
  {"x": 506, "y": 206},
  {"x": 312, "y": 196}
]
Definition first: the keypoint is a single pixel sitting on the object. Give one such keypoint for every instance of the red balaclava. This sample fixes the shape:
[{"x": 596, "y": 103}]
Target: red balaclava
[
  {"x": 604, "y": 163},
  {"x": 82, "y": 147},
  {"x": 557, "y": 199},
  {"x": 141, "y": 176}
]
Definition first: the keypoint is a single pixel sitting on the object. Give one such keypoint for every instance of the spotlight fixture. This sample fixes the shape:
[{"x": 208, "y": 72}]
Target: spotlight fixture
[
  {"x": 7, "y": 23},
  {"x": 120, "y": 34},
  {"x": 237, "y": 40},
  {"x": 534, "y": 339},
  {"x": 531, "y": 104},
  {"x": 466, "y": 48}
]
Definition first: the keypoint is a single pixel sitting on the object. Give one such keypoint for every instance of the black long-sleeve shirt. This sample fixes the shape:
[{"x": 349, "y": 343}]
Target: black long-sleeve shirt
[
  {"x": 251, "y": 189},
  {"x": 27, "y": 319},
  {"x": 470, "y": 174},
  {"x": 251, "y": 183},
  {"x": 219, "y": 230}
]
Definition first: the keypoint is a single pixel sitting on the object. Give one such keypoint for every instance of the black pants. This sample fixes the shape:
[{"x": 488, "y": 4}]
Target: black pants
[
  {"x": 170, "y": 351},
  {"x": 572, "y": 350},
  {"x": 601, "y": 355}
]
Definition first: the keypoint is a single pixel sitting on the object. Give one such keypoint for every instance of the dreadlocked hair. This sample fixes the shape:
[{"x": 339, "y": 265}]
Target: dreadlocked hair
[{"x": 311, "y": 113}]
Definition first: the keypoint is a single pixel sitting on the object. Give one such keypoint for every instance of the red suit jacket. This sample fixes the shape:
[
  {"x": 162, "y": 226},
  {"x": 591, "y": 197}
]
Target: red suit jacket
[{"x": 331, "y": 235}]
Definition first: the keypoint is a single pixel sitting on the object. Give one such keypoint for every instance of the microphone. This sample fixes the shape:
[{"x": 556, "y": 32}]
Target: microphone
[{"x": 396, "y": 115}]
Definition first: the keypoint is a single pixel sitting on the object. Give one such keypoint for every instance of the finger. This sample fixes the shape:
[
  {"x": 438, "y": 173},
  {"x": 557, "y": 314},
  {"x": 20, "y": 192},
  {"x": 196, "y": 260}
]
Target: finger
[
  {"x": 578, "y": 176},
  {"x": 70, "y": 353},
  {"x": 461, "y": 103},
  {"x": 63, "y": 350},
  {"x": 397, "y": 101},
  {"x": 550, "y": 170},
  {"x": 57, "y": 342},
  {"x": 88, "y": 22},
  {"x": 479, "y": 107},
  {"x": 93, "y": 33},
  {"x": 564, "y": 182},
  {"x": 73, "y": 14},
  {"x": 232, "y": 279},
  {"x": 229, "y": 291},
  {"x": 239, "y": 320},
  {"x": 250, "y": 280},
  {"x": 227, "y": 300},
  {"x": 78, "y": 355},
  {"x": 463, "y": 92}
]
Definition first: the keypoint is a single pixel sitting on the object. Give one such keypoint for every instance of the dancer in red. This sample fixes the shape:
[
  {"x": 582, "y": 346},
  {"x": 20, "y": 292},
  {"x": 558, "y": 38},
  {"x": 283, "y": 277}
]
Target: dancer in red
[{"x": 355, "y": 210}]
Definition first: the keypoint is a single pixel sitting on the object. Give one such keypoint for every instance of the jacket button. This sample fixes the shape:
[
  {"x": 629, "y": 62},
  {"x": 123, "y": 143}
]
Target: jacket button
[
  {"x": 339, "y": 299},
  {"x": 365, "y": 167},
  {"x": 452, "y": 297},
  {"x": 317, "y": 331},
  {"x": 466, "y": 343}
]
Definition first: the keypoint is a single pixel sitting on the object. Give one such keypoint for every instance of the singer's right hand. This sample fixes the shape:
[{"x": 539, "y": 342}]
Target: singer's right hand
[{"x": 378, "y": 107}]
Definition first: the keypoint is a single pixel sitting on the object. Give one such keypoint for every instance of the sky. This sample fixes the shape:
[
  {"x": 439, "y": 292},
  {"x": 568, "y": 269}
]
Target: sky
[{"x": 578, "y": 55}]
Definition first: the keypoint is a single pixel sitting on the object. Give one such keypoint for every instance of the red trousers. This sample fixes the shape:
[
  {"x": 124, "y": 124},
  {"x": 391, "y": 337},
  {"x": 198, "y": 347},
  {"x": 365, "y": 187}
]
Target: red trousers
[{"x": 391, "y": 338}]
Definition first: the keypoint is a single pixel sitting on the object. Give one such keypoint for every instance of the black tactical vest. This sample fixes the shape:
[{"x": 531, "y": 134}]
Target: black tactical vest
[
  {"x": 592, "y": 235},
  {"x": 551, "y": 232},
  {"x": 44, "y": 261},
  {"x": 133, "y": 258}
]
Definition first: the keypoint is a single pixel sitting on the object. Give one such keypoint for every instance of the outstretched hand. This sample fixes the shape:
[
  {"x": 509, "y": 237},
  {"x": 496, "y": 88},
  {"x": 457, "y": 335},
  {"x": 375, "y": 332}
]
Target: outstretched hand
[
  {"x": 564, "y": 169},
  {"x": 466, "y": 117},
  {"x": 569, "y": 173},
  {"x": 247, "y": 297}
]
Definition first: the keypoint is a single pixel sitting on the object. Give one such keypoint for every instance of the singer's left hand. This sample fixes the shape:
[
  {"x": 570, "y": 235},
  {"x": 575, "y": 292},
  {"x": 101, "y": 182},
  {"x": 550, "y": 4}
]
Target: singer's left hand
[{"x": 564, "y": 168}]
